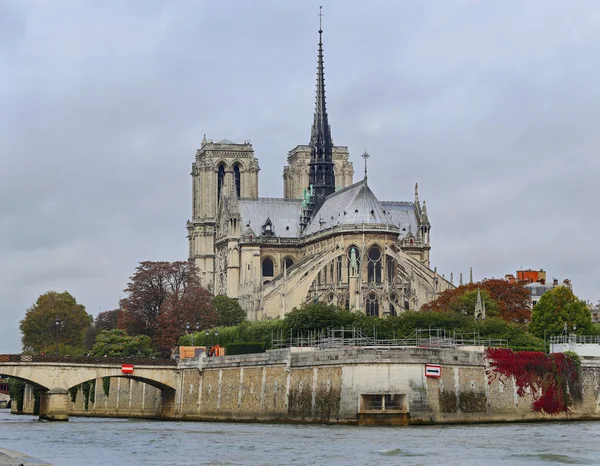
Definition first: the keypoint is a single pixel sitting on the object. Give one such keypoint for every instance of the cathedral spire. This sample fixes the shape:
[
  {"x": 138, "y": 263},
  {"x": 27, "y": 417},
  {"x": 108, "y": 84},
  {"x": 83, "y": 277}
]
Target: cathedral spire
[{"x": 321, "y": 175}]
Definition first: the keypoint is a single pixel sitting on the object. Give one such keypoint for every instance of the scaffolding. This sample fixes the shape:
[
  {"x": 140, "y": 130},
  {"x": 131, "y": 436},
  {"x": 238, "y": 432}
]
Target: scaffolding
[{"x": 421, "y": 338}]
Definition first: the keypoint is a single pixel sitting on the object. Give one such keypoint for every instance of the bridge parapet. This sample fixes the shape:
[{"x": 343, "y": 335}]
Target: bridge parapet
[{"x": 52, "y": 358}]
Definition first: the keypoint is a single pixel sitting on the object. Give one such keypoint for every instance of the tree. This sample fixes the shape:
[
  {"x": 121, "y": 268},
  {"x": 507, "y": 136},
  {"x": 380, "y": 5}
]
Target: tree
[
  {"x": 107, "y": 320},
  {"x": 191, "y": 306},
  {"x": 320, "y": 316},
  {"x": 39, "y": 327},
  {"x": 558, "y": 307},
  {"x": 116, "y": 343},
  {"x": 510, "y": 301},
  {"x": 149, "y": 287},
  {"x": 228, "y": 311}
]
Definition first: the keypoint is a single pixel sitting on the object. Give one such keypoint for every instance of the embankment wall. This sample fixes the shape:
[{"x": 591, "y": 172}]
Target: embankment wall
[{"x": 335, "y": 386}]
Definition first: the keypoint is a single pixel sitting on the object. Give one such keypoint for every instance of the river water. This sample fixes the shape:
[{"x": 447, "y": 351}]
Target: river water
[{"x": 96, "y": 441}]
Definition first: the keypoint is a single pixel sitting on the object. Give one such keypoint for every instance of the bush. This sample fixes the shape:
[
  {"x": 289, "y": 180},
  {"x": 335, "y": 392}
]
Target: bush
[
  {"x": 244, "y": 348},
  {"x": 260, "y": 332}
]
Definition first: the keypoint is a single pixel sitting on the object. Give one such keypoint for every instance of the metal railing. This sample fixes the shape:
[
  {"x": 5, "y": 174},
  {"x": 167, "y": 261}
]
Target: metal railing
[
  {"x": 336, "y": 338},
  {"x": 575, "y": 339}
]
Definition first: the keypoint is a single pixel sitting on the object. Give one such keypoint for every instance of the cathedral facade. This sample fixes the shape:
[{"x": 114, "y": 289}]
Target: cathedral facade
[{"x": 327, "y": 239}]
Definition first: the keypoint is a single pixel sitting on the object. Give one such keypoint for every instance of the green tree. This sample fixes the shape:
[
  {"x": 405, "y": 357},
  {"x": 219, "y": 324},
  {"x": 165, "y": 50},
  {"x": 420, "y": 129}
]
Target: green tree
[
  {"x": 558, "y": 307},
  {"x": 116, "y": 343},
  {"x": 228, "y": 310},
  {"x": 465, "y": 304},
  {"x": 321, "y": 316},
  {"x": 38, "y": 328}
]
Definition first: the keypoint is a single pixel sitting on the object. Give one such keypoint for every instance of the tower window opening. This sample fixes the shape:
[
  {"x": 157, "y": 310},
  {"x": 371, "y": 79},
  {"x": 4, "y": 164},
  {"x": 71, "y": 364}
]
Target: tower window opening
[
  {"x": 238, "y": 180},
  {"x": 220, "y": 180}
]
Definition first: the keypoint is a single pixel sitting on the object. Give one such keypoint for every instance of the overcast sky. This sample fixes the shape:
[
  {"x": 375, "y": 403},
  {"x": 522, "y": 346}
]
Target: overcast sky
[{"x": 493, "y": 107}]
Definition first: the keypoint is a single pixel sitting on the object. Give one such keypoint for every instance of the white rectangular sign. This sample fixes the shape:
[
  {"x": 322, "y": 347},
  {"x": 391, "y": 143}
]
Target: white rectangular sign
[{"x": 433, "y": 370}]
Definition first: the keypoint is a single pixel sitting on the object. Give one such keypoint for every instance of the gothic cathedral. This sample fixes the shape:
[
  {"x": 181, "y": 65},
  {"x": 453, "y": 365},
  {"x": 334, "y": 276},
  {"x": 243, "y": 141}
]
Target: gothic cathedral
[{"x": 328, "y": 239}]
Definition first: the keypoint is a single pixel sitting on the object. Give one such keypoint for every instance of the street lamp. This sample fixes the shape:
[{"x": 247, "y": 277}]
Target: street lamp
[
  {"x": 57, "y": 325},
  {"x": 188, "y": 327},
  {"x": 187, "y": 331}
]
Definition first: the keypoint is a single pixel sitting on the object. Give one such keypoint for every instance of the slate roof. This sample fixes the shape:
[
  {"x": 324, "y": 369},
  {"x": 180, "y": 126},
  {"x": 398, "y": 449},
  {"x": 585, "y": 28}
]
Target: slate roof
[
  {"x": 403, "y": 215},
  {"x": 284, "y": 215},
  {"x": 354, "y": 205},
  {"x": 227, "y": 141}
]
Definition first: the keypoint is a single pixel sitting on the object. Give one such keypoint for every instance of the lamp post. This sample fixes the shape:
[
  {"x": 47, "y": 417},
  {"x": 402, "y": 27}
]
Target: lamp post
[
  {"x": 187, "y": 331},
  {"x": 197, "y": 329},
  {"x": 57, "y": 324}
]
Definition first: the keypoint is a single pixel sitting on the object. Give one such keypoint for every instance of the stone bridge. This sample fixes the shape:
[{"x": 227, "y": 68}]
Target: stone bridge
[{"x": 55, "y": 375}]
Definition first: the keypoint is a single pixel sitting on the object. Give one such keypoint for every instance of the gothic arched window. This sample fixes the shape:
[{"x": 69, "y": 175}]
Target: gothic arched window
[
  {"x": 238, "y": 180},
  {"x": 288, "y": 262},
  {"x": 374, "y": 265},
  {"x": 391, "y": 269},
  {"x": 268, "y": 270},
  {"x": 393, "y": 304},
  {"x": 220, "y": 180},
  {"x": 372, "y": 305},
  {"x": 339, "y": 269},
  {"x": 392, "y": 310}
]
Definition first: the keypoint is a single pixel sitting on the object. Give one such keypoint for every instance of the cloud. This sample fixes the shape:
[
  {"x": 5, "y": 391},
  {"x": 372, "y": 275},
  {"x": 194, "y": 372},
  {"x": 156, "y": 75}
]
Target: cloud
[{"x": 490, "y": 107}]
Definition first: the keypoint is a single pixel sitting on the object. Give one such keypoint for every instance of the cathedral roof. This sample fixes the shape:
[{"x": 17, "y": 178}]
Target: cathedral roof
[
  {"x": 354, "y": 205},
  {"x": 403, "y": 215},
  {"x": 227, "y": 141},
  {"x": 283, "y": 213}
]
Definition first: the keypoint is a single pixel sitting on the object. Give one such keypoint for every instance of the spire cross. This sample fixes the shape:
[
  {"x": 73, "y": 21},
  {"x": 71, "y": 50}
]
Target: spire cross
[
  {"x": 365, "y": 156},
  {"x": 320, "y": 18}
]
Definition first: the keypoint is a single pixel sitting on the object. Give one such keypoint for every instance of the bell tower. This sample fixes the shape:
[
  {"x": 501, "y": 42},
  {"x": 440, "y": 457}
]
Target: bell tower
[{"x": 219, "y": 168}]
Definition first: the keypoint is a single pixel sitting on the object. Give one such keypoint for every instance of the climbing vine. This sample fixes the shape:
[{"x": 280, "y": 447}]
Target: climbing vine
[
  {"x": 85, "y": 389},
  {"x": 73, "y": 392},
  {"x": 553, "y": 379},
  {"x": 93, "y": 391},
  {"x": 106, "y": 385},
  {"x": 16, "y": 390}
]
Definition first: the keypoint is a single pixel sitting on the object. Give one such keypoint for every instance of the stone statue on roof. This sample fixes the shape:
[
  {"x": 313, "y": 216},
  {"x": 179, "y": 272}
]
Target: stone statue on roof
[{"x": 353, "y": 263}]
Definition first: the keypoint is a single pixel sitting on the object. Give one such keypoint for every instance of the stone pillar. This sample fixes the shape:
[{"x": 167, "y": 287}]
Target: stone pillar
[
  {"x": 168, "y": 403},
  {"x": 54, "y": 405}
]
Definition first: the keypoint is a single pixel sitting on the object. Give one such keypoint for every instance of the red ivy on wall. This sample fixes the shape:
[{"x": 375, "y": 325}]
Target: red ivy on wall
[{"x": 554, "y": 379}]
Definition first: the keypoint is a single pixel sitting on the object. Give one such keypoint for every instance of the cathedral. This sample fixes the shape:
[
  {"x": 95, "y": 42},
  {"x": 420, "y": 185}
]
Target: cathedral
[{"x": 328, "y": 239}]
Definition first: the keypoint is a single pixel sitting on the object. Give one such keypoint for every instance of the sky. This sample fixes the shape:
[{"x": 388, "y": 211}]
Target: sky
[{"x": 492, "y": 107}]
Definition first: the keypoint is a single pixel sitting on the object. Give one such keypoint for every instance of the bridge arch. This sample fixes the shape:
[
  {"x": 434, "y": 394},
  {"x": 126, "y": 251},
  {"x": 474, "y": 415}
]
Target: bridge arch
[
  {"x": 54, "y": 379},
  {"x": 153, "y": 383},
  {"x": 29, "y": 379}
]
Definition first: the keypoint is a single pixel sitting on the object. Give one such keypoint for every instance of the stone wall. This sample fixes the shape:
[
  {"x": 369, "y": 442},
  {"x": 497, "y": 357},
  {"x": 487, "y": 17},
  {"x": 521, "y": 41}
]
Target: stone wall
[{"x": 335, "y": 386}]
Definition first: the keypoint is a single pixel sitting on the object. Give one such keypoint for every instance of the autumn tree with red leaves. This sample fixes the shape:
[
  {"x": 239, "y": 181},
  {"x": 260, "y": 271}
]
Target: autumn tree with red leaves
[
  {"x": 193, "y": 305},
  {"x": 161, "y": 298},
  {"x": 511, "y": 300}
]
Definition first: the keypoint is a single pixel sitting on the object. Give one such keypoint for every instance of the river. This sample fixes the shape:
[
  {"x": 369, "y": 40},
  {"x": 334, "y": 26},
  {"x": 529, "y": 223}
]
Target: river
[{"x": 96, "y": 441}]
